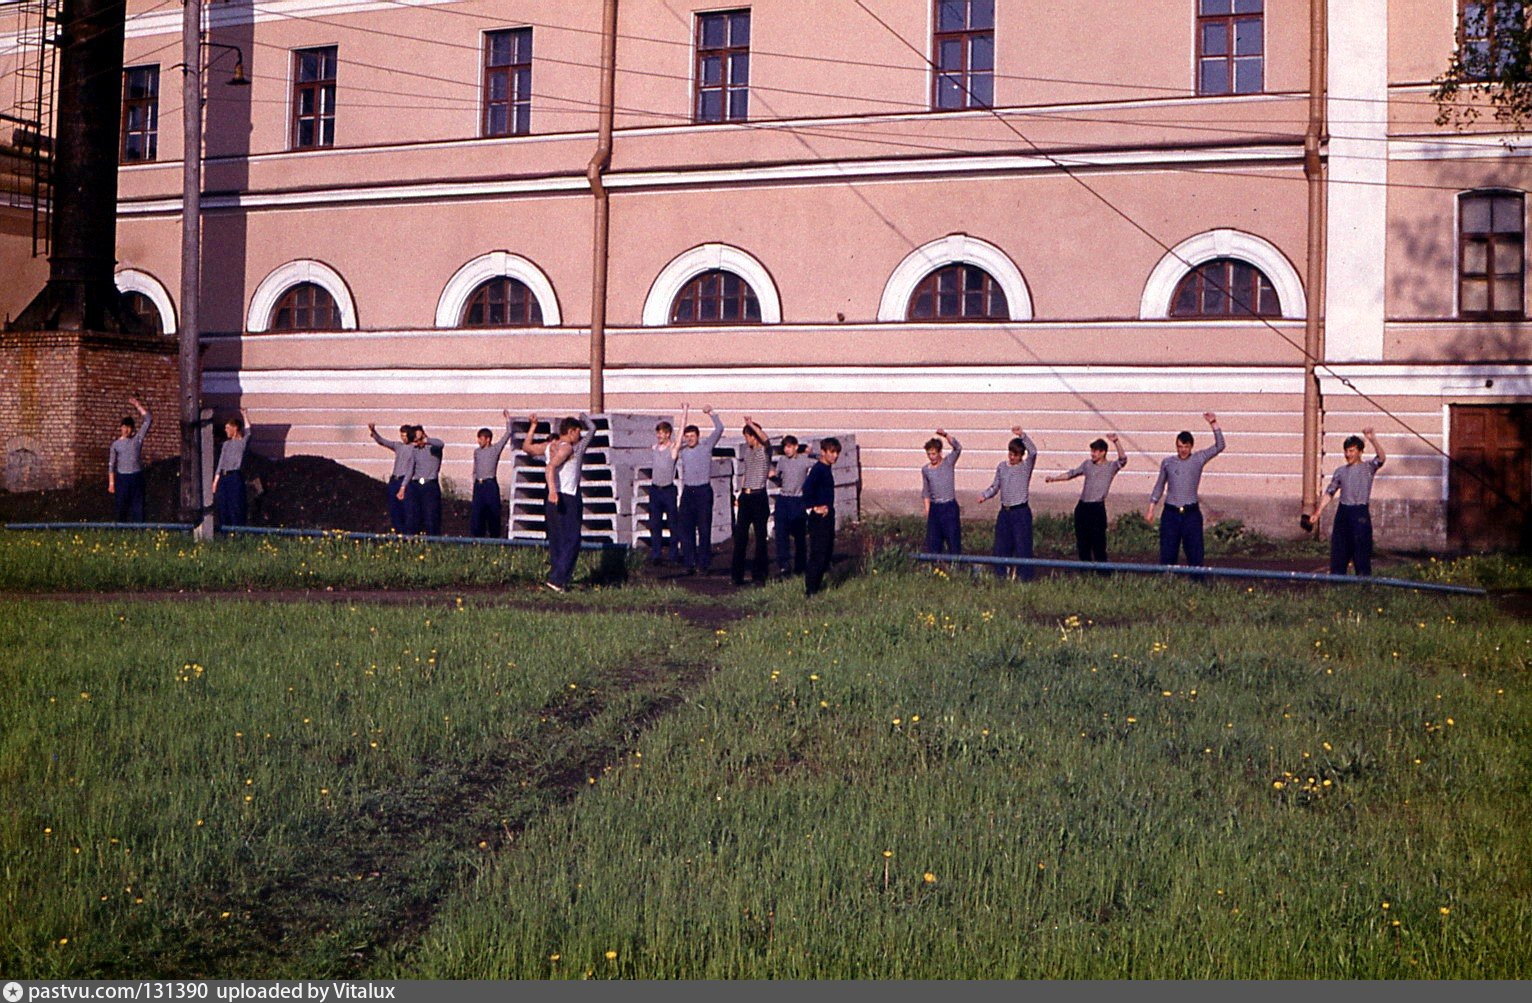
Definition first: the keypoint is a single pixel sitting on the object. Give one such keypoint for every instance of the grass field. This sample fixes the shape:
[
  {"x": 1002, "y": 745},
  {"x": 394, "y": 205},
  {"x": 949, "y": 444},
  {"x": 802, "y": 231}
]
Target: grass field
[{"x": 911, "y": 776}]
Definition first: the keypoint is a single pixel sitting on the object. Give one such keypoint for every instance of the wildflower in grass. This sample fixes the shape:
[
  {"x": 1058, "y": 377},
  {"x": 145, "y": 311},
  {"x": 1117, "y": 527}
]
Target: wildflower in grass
[
  {"x": 888, "y": 853},
  {"x": 611, "y": 955},
  {"x": 930, "y": 878},
  {"x": 1444, "y": 910}
]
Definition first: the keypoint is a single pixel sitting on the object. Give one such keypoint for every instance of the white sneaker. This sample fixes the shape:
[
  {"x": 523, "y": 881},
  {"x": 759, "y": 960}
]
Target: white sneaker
[{"x": 550, "y": 585}]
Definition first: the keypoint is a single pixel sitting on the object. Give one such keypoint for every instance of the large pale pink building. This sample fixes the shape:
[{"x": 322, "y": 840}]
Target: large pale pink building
[{"x": 868, "y": 216}]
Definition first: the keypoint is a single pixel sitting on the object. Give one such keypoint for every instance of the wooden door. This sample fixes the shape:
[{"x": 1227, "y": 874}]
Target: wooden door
[{"x": 1489, "y": 487}]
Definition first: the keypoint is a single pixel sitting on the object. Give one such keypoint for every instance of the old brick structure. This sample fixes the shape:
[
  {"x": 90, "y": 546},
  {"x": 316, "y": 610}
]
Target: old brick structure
[{"x": 63, "y": 393}]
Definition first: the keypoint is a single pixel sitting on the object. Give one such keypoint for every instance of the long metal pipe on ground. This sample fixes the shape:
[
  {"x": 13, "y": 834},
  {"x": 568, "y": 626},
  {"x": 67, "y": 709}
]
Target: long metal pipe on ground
[{"x": 1092, "y": 567}]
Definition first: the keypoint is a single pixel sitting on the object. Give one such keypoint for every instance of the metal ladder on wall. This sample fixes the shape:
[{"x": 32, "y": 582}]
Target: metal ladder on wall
[{"x": 32, "y": 133}]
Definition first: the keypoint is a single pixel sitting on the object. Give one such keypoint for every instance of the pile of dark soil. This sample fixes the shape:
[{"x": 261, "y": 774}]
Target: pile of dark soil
[{"x": 299, "y": 492}]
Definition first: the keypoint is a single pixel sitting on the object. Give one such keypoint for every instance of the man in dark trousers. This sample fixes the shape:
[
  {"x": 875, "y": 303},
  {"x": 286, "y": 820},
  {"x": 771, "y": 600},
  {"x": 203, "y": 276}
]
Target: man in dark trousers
[
  {"x": 1090, "y": 510},
  {"x": 1351, "y": 536},
  {"x": 789, "y": 471},
  {"x": 228, "y": 476},
  {"x": 563, "y": 519},
  {"x": 484, "y": 514},
  {"x": 125, "y": 465},
  {"x": 819, "y": 507},
  {"x": 1179, "y": 480},
  {"x": 752, "y": 510},
  {"x": 423, "y": 490},
  {"x": 694, "y": 461},
  {"x": 398, "y": 515},
  {"x": 663, "y": 515},
  {"x": 1013, "y": 523}
]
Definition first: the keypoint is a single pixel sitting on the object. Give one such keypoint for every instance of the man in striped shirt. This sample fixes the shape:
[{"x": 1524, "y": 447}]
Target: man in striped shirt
[{"x": 751, "y": 508}]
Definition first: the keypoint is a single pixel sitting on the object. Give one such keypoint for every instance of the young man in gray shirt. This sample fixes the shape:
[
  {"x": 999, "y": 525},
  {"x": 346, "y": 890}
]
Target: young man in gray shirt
[
  {"x": 1090, "y": 510},
  {"x": 125, "y": 465},
  {"x": 791, "y": 468},
  {"x": 1180, "y": 477},
  {"x": 751, "y": 508},
  {"x": 938, "y": 489},
  {"x": 422, "y": 490},
  {"x": 1013, "y": 523},
  {"x": 484, "y": 514},
  {"x": 662, "y": 496},
  {"x": 694, "y": 461},
  {"x": 1351, "y": 536},
  {"x": 398, "y": 517},
  {"x": 228, "y": 477}
]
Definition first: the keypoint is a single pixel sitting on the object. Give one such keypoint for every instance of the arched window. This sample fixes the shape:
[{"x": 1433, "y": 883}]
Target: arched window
[
  {"x": 1225, "y": 287},
  {"x": 305, "y": 307},
  {"x": 958, "y": 292},
  {"x": 502, "y": 302},
  {"x": 142, "y": 314},
  {"x": 716, "y": 297}
]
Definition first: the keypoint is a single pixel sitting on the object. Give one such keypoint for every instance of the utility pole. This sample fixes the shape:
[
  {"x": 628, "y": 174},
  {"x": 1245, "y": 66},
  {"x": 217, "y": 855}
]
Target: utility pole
[
  {"x": 599, "y": 162},
  {"x": 1313, "y": 330},
  {"x": 193, "y": 505}
]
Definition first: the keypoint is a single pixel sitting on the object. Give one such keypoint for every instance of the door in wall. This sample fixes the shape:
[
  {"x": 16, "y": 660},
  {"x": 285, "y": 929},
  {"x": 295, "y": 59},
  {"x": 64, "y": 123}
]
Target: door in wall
[{"x": 1489, "y": 486}]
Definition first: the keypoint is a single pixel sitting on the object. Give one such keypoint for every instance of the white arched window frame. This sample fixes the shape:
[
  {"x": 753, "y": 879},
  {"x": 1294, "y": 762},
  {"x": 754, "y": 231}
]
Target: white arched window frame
[
  {"x": 1205, "y": 247},
  {"x": 706, "y": 258},
  {"x": 954, "y": 249},
  {"x": 284, "y": 277},
  {"x": 131, "y": 280},
  {"x": 495, "y": 265}
]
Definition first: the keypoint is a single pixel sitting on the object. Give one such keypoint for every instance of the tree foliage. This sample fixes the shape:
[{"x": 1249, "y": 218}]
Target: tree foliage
[{"x": 1491, "y": 71}]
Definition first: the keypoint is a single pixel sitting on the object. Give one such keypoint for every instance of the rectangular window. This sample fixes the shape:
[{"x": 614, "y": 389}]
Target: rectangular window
[
  {"x": 140, "y": 113},
  {"x": 508, "y": 82},
  {"x": 963, "y": 44},
  {"x": 1491, "y": 37},
  {"x": 1231, "y": 48},
  {"x": 723, "y": 67},
  {"x": 314, "y": 98},
  {"x": 1491, "y": 256}
]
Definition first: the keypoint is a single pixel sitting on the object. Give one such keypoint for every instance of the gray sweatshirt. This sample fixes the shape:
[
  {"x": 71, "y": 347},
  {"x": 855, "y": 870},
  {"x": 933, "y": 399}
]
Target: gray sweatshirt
[
  {"x": 664, "y": 473},
  {"x": 939, "y": 483},
  {"x": 1098, "y": 477},
  {"x": 426, "y": 461},
  {"x": 127, "y": 455},
  {"x": 792, "y": 471},
  {"x": 232, "y": 457},
  {"x": 696, "y": 462},
  {"x": 401, "y": 454},
  {"x": 487, "y": 458},
  {"x": 1182, "y": 477},
  {"x": 1354, "y": 481},
  {"x": 1013, "y": 481}
]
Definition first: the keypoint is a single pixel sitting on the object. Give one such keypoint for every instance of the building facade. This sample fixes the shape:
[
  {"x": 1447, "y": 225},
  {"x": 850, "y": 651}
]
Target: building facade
[{"x": 868, "y": 216}]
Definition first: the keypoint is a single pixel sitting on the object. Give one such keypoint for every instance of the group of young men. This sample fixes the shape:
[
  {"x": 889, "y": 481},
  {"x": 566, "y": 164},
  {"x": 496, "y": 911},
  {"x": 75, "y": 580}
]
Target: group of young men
[
  {"x": 1178, "y": 484},
  {"x": 805, "y": 501},
  {"x": 805, "y": 510}
]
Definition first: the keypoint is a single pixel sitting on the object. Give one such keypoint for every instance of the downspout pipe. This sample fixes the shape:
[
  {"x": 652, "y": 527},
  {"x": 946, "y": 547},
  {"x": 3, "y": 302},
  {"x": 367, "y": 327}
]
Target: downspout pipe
[
  {"x": 1314, "y": 138},
  {"x": 599, "y": 162}
]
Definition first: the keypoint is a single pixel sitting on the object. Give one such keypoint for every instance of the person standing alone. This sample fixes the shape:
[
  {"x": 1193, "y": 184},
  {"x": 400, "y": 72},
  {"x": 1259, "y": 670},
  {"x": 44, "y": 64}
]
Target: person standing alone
[
  {"x": 125, "y": 465},
  {"x": 484, "y": 514},
  {"x": 1351, "y": 535},
  {"x": 229, "y": 477}
]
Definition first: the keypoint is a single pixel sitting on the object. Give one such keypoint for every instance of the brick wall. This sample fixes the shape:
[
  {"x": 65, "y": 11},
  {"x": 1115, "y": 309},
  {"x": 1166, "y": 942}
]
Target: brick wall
[{"x": 63, "y": 395}]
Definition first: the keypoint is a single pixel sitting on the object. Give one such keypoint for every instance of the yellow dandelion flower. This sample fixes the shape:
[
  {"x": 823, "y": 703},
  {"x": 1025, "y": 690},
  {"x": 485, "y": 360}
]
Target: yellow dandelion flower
[
  {"x": 63, "y": 941},
  {"x": 1444, "y": 910},
  {"x": 888, "y": 853},
  {"x": 914, "y": 718},
  {"x": 554, "y": 956},
  {"x": 898, "y": 721},
  {"x": 1385, "y": 906},
  {"x": 611, "y": 955},
  {"x": 930, "y": 879}
]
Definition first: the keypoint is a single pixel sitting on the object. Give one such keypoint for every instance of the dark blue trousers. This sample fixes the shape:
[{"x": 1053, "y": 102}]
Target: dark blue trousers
[
  {"x": 1013, "y": 538},
  {"x": 662, "y": 517},
  {"x": 790, "y": 532},
  {"x": 229, "y": 502},
  {"x": 484, "y": 515},
  {"x": 426, "y": 506},
  {"x": 944, "y": 531},
  {"x": 564, "y": 524},
  {"x": 1351, "y": 540},
  {"x": 696, "y": 519},
  {"x": 129, "y": 498},
  {"x": 820, "y": 531},
  {"x": 750, "y": 514},
  {"x": 1090, "y": 530},
  {"x": 398, "y": 510},
  {"x": 1181, "y": 528}
]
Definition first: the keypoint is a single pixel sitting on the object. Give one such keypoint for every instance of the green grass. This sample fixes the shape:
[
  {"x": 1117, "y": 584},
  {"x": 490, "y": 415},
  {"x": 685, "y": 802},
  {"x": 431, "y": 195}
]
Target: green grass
[
  {"x": 187, "y": 784},
  {"x": 922, "y": 777},
  {"x": 1130, "y": 537},
  {"x": 101, "y": 560}
]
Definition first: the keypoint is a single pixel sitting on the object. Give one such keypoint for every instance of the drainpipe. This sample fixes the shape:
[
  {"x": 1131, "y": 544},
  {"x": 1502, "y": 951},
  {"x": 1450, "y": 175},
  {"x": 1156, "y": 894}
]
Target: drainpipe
[
  {"x": 599, "y": 162},
  {"x": 1313, "y": 330}
]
